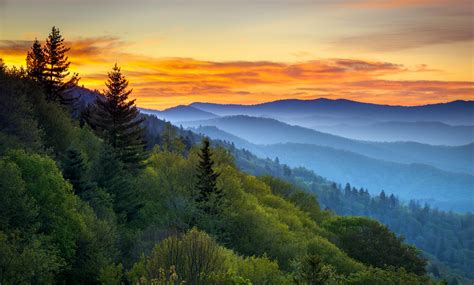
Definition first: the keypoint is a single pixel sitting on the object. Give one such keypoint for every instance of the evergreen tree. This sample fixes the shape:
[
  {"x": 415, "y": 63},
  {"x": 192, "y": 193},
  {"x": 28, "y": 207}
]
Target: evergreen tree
[
  {"x": 75, "y": 170},
  {"x": 56, "y": 69},
  {"x": 35, "y": 62},
  {"x": 116, "y": 120},
  {"x": 208, "y": 194},
  {"x": 110, "y": 175}
]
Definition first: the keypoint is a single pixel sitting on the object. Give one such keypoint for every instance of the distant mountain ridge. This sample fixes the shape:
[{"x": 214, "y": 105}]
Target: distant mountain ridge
[
  {"x": 455, "y": 112},
  {"x": 267, "y": 131},
  {"x": 424, "y": 132},
  {"x": 440, "y": 188},
  {"x": 180, "y": 113}
]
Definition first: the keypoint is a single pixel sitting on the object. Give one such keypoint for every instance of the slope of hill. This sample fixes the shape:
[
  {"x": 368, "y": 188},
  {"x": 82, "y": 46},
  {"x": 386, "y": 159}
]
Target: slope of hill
[
  {"x": 416, "y": 222},
  {"x": 423, "y": 132},
  {"x": 180, "y": 113},
  {"x": 270, "y": 131},
  {"x": 446, "y": 190}
]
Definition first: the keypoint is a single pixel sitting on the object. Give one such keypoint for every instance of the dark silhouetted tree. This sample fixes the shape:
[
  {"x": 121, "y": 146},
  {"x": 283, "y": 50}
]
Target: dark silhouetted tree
[
  {"x": 75, "y": 170},
  {"x": 208, "y": 193},
  {"x": 56, "y": 69},
  {"x": 35, "y": 62},
  {"x": 116, "y": 120}
]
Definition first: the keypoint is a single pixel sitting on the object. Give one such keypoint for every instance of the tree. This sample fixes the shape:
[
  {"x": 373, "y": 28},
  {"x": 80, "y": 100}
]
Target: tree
[
  {"x": 36, "y": 62},
  {"x": 116, "y": 120},
  {"x": 194, "y": 258},
  {"x": 208, "y": 193},
  {"x": 56, "y": 69},
  {"x": 75, "y": 171},
  {"x": 374, "y": 244},
  {"x": 110, "y": 175}
]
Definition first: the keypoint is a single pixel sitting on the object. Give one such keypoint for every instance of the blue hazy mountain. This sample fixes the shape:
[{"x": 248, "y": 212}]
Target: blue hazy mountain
[
  {"x": 443, "y": 189},
  {"x": 456, "y": 112},
  {"x": 270, "y": 131},
  {"x": 180, "y": 113},
  {"x": 423, "y": 132}
]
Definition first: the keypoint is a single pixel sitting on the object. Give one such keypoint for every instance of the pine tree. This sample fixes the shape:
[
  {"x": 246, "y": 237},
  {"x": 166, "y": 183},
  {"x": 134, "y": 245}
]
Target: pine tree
[
  {"x": 56, "y": 69},
  {"x": 116, "y": 120},
  {"x": 36, "y": 62},
  {"x": 209, "y": 195},
  {"x": 110, "y": 175},
  {"x": 75, "y": 170}
]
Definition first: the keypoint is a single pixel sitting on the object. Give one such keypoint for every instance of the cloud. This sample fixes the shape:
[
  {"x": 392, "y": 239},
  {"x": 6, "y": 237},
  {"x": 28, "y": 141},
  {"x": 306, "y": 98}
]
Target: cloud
[
  {"x": 408, "y": 37},
  {"x": 164, "y": 82},
  {"x": 387, "y": 4}
]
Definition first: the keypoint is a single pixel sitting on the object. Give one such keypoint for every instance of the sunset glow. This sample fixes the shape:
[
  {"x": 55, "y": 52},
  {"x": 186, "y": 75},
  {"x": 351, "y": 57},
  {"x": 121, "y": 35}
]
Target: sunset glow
[{"x": 404, "y": 52}]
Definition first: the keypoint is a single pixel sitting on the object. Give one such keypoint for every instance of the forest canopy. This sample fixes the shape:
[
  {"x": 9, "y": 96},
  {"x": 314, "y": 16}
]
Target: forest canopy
[{"x": 85, "y": 199}]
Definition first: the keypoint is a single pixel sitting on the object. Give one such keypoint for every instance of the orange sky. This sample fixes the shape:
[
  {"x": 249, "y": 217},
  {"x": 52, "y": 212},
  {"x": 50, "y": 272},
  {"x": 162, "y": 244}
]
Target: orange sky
[{"x": 405, "y": 52}]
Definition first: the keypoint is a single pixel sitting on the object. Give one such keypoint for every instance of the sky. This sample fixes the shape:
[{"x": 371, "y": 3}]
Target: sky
[{"x": 398, "y": 52}]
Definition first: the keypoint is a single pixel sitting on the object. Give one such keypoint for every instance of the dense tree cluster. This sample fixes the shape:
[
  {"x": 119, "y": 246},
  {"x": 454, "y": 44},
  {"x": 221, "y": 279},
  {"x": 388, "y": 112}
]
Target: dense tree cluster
[{"x": 445, "y": 237}]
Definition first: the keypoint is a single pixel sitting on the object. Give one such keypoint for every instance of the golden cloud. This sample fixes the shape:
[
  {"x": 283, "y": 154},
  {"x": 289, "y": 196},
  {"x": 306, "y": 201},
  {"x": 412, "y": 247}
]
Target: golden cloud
[{"x": 165, "y": 82}]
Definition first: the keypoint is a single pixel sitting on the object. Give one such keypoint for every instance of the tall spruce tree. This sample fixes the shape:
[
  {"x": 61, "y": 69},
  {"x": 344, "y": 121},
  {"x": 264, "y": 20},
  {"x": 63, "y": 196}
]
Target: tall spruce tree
[
  {"x": 116, "y": 120},
  {"x": 35, "y": 62},
  {"x": 56, "y": 69},
  {"x": 209, "y": 195},
  {"x": 75, "y": 170}
]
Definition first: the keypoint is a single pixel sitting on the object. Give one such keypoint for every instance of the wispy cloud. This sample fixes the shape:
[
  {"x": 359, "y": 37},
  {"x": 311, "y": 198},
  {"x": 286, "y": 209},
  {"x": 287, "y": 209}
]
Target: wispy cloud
[
  {"x": 386, "y": 4},
  {"x": 163, "y": 82},
  {"x": 408, "y": 37}
]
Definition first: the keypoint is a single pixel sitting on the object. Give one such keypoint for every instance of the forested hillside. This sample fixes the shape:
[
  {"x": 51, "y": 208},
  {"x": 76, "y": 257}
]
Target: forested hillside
[
  {"x": 85, "y": 200},
  {"x": 445, "y": 237},
  {"x": 443, "y": 189}
]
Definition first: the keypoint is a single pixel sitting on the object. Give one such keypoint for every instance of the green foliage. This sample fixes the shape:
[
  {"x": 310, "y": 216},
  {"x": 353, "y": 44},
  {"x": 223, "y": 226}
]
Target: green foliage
[
  {"x": 311, "y": 270},
  {"x": 444, "y": 237},
  {"x": 373, "y": 244},
  {"x": 50, "y": 230},
  {"x": 75, "y": 171},
  {"x": 27, "y": 260},
  {"x": 389, "y": 276},
  {"x": 194, "y": 256},
  {"x": 209, "y": 196},
  {"x": 260, "y": 270},
  {"x": 58, "y": 216},
  {"x": 18, "y": 125}
]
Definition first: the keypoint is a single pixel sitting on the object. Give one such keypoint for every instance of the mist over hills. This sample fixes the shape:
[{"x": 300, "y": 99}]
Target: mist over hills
[
  {"x": 423, "y": 132},
  {"x": 456, "y": 112},
  {"x": 180, "y": 113},
  {"x": 373, "y": 146},
  {"x": 270, "y": 131},
  {"x": 444, "y": 189}
]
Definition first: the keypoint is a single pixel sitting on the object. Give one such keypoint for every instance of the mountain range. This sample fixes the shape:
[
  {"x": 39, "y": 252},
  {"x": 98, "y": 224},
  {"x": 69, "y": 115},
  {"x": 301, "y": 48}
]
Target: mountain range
[
  {"x": 423, "y": 152},
  {"x": 456, "y": 112}
]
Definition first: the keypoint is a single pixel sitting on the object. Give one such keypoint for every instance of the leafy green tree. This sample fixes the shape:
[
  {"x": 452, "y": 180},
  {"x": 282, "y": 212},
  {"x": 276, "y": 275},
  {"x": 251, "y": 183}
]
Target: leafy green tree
[
  {"x": 36, "y": 62},
  {"x": 194, "y": 257},
  {"x": 27, "y": 260},
  {"x": 374, "y": 244},
  {"x": 389, "y": 276},
  {"x": 56, "y": 69},
  {"x": 312, "y": 271},
  {"x": 116, "y": 120},
  {"x": 209, "y": 195}
]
